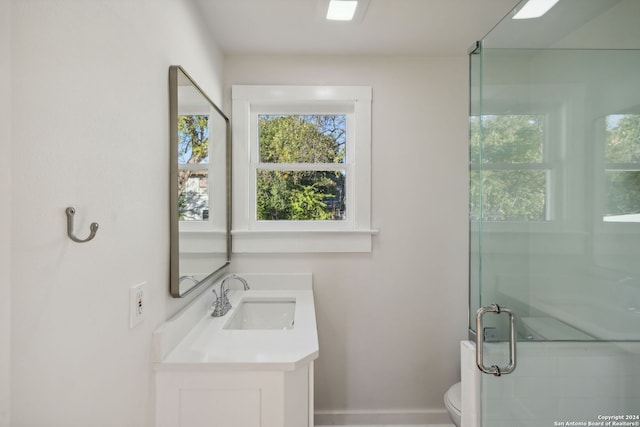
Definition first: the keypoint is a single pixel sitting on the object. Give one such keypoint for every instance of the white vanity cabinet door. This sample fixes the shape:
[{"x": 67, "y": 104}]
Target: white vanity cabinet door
[
  {"x": 234, "y": 398},
  {"x": 206, "y": 408}
]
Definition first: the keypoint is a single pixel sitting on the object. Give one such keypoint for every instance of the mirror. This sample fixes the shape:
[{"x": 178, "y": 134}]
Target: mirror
[{"x": 200, "y": 186}]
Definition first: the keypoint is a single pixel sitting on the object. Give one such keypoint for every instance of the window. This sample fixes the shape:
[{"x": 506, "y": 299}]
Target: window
[
  {"x": 622, "y": 168},
  {"x": 510, "y": 173},
  {"x": 302, "y": 168}
]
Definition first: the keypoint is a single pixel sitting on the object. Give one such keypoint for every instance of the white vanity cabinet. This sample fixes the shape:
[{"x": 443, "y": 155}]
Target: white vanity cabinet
[
  {"x": 210, "y": 375},
  {"x": 235, "y": 398}
]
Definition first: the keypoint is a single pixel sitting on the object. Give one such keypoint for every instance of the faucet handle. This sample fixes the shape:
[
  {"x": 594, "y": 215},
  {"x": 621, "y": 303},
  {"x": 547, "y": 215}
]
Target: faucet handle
[
  {"x": 216, "y": 302},
  {"x": 220, "y": 305},
  {"x": 224, "y": 291}
]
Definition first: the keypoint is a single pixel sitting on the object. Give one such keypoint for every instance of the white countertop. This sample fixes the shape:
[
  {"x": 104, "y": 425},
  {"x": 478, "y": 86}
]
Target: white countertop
[{"x": 206, "y": 345}]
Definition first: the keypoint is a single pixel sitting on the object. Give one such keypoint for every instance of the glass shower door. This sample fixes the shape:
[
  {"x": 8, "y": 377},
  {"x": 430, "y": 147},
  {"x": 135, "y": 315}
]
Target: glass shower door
[{"x": 555, "y": 223}]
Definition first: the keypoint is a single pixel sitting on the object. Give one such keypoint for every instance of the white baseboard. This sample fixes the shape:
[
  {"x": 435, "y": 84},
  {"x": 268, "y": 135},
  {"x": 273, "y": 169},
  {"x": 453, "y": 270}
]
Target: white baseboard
[{"x": 381, "y": 418}]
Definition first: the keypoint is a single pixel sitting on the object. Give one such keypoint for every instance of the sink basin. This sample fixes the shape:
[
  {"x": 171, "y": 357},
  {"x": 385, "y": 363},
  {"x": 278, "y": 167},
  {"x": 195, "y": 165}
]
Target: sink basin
[{"x": 264, "y": 313}]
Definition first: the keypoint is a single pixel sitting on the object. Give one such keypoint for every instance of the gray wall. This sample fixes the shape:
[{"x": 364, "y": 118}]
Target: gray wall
[
  {"x": 5, "y": 212},
  {"x": 390, "y": 321},
  {"x": 90, "y": 126}
]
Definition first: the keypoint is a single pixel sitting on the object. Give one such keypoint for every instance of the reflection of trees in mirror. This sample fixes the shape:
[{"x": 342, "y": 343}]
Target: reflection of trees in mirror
[
  {"x": 309, "y": 191},
  {"x": 622, "y": 156},
  {"x": 193, "y": 149},
  {"x": 193, "y": 139},
  {"x": 508, "y": 179}
]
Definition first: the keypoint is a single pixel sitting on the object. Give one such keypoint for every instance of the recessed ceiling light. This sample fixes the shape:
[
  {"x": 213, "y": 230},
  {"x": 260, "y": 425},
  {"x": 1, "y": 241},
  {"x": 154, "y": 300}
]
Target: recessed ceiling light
[
  {"x": 342, "y": 10},
  {"x": 534, "y": 9}
]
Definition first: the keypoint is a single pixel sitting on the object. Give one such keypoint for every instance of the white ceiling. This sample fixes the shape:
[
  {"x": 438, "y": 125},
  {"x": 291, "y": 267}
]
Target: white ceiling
[
  {"x": 390, "y": 27},
  {"x": 574, "y": 24}
]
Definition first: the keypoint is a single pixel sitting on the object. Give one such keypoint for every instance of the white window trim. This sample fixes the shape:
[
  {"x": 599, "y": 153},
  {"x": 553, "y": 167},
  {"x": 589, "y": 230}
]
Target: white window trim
[{"x": 351, "y": 235}]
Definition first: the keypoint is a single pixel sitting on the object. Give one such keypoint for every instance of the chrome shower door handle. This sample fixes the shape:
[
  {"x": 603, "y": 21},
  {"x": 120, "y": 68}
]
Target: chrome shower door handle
[{"x": 493, "y": 369}]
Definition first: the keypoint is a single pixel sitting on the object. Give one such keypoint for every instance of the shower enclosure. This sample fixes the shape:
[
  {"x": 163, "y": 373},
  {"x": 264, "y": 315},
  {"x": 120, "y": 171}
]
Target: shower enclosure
[{"x": 555, "y": 218}]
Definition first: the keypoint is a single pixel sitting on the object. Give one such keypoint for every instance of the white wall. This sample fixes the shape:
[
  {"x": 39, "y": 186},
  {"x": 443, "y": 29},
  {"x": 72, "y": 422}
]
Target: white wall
[
  {"x": 5, "y": 212},
  {"x": 390, "y": 321},
  {"x": 90, "y": 130}
]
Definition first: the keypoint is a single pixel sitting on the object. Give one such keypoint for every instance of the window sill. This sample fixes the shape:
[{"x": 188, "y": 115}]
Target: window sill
[{"x": 298, "y": 241}]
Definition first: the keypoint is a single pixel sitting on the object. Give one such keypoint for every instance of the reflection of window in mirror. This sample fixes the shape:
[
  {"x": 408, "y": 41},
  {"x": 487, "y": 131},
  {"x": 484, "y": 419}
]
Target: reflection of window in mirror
[
  {"x": 510, "y": 167},
  {"x": 622, "y": 168},
  {"x": 193, "y": 173},
  {"x": 201, "y": 155}
]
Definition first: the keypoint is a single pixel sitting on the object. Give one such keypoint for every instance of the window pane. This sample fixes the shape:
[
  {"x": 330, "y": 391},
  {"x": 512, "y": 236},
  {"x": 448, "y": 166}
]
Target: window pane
[
  {"x": 300, "y": 195},
  {"x": 193, "y": 139},
  {"x": 193, "y": 195},
  {"x": 508, "y": 195},
  {"x": 302, "y": 138},
  {"x": 507, "y": 138},
  {"x": 623, "y": 138},
  {"x": 622, "y": 196}
]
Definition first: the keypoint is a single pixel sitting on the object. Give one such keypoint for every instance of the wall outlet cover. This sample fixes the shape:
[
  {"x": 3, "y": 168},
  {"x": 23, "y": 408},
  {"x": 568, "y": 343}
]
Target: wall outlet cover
[{"x": 138, "y": 300}]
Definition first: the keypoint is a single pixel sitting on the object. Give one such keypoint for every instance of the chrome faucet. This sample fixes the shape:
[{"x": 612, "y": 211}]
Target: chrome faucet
[{"x": 222, "y": 305}]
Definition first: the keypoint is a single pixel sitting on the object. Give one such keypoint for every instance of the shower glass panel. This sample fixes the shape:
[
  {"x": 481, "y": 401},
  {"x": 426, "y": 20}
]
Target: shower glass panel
[{"x": 555, "y": 214}]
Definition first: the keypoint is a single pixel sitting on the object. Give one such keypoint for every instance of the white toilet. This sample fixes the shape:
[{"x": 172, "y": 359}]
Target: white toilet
[{"x": 452, "y": 400}]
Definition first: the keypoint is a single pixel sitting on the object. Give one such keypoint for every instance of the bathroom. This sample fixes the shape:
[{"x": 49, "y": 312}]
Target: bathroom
[{"x": 84, "y": 110}]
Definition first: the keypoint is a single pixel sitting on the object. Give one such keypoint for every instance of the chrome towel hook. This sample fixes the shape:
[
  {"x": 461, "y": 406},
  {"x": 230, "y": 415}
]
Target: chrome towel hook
[{"x": 71, "y": 211}]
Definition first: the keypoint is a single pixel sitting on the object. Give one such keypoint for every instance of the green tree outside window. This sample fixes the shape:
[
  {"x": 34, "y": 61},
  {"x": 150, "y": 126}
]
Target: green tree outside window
[{"x": 306, "y": 191}]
